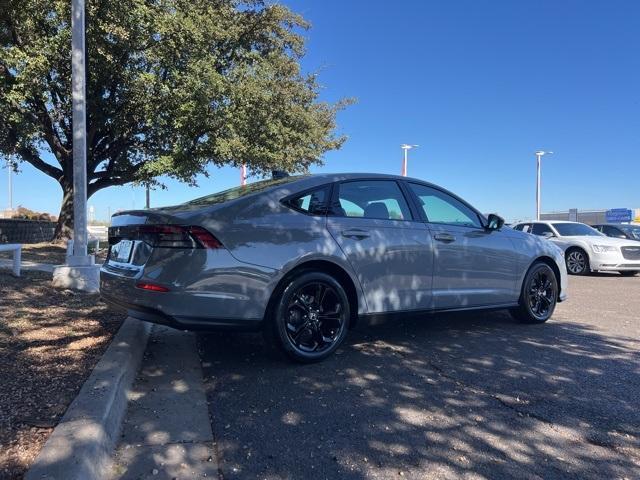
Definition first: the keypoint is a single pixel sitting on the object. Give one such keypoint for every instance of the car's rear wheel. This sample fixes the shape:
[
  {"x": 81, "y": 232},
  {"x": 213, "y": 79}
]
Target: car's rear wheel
[
  {"x": 539, "y": 295},
  {"x": 310, "y": 318},
  {"x": 628, "y": 273},
  {"x": 577, "y": 261}
]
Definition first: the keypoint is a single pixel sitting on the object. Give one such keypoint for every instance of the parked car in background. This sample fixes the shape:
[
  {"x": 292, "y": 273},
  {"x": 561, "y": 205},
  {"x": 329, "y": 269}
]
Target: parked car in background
[
  {"x": 617, "y": 230},
  {"x": 587, "y": 249},
  {"x": 304, "y": 257}
]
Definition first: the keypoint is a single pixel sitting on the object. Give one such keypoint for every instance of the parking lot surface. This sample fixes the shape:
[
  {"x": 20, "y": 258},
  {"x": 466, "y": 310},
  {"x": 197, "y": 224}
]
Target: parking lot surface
[{"x": 472, "y": 395}]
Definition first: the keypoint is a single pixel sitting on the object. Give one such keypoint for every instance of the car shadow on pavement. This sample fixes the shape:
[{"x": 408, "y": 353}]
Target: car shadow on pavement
[{"x": 432, "y": 397}]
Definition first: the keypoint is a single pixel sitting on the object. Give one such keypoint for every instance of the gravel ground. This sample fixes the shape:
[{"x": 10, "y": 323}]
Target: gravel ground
[
  {"x": 453, "y": 396},
  {"x": 49, "y": 342}
]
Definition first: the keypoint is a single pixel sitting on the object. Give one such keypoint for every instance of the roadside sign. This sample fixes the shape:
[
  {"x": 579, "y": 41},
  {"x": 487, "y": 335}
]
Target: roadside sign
[{"x": 618, "y": 215}]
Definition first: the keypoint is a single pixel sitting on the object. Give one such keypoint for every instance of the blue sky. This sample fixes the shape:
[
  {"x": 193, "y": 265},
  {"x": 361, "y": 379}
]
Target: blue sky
[{"x": 480, "y": 85}]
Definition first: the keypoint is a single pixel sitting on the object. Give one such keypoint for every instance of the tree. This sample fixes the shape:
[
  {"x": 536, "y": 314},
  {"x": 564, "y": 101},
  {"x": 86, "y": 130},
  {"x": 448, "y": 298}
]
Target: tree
[{"x": 172, "y": 86}]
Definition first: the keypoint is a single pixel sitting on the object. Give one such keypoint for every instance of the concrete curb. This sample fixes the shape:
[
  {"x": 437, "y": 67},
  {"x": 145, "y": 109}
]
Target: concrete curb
[{"x": 81, "y": 446}]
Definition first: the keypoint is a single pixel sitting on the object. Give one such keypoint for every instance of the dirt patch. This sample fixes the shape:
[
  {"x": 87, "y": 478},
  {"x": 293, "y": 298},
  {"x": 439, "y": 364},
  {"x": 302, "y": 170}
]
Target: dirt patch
[
  {"x": 50, "y": 340},
  {"x": 50, "y": 253}
]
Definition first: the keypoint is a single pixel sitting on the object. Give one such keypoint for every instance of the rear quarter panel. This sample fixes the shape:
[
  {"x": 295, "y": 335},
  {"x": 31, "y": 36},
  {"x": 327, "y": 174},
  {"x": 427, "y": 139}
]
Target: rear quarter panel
[{"x": 260, "y": 230}]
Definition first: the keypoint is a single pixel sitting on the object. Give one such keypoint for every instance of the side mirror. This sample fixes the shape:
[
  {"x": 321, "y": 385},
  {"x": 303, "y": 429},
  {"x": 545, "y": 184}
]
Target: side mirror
[
  {"x": 494, "y": 222},
  {"x": 548, "y": 235}
]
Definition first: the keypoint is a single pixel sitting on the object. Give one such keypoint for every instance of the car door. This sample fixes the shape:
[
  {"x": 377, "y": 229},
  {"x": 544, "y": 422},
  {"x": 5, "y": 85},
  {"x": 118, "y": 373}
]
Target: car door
[
  {"x": 388, "y": 247},
  {"x": 473, "y": 266}
]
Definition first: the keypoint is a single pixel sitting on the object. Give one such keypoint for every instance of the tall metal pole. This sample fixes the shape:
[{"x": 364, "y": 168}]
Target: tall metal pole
[
  {"x": 243, "y": 175},
  {"x": 10, "y": 186},
  {"x": 406, "y": 149},
  {"x": 404, "y": 163},
  {"x": 538, "y": 158},
  {"x": 148, "y": 199},
  {"x": 539, "y": 155},
  {"x": 78, "y": 90}
]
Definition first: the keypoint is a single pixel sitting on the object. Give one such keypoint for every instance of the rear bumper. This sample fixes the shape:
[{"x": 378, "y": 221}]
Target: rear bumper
[
  {"x": 207, "y": 290},
  {"x": 183, "y": 323}
]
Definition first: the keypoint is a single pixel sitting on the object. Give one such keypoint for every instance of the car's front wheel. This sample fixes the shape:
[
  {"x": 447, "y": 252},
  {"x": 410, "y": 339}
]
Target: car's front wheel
[
  {"x": 577, "y": 261},
  {"x": 311, "y": 317},
  {"x": 539, "y": 295}
]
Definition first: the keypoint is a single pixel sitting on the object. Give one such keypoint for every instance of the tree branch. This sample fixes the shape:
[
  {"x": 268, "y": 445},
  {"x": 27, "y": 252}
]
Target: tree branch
[{"x": 34, "y": 159}]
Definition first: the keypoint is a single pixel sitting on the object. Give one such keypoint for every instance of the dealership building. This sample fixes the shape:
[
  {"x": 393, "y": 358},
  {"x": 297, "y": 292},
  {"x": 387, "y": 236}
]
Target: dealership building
[{"x": 616, "y": 215}]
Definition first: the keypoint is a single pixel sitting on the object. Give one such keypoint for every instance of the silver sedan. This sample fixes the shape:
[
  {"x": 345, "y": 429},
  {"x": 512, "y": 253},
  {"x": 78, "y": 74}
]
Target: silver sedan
[{"x": 305, "y": 257}]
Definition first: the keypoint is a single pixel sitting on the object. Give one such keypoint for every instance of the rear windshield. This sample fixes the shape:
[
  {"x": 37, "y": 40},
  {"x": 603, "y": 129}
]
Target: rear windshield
[
  {"x": 241, "y": 191},
  {"x": 576, "y": 229}
]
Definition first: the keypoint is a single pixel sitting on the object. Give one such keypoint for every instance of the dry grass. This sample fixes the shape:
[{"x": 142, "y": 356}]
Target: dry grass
[
  {"x": 49, "y": 253},
  {"x": 49, "y": 342}
]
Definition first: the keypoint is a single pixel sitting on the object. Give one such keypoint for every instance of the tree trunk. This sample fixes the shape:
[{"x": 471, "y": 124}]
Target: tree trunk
[{"x": 64, "y": 228}]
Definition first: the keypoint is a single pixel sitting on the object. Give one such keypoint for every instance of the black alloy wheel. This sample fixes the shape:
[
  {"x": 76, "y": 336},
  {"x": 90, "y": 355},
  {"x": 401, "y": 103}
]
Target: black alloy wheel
[
  {"x": 539, "y": 295},
  {"x": 312, "y": 317}
]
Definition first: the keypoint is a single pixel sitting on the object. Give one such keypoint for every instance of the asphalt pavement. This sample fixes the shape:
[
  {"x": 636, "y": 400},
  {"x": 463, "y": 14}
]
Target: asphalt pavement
[{"x": 473, "y": 395}]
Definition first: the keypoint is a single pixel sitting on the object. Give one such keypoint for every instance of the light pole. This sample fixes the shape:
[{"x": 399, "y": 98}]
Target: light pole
[
  {"x": 539, "y": 155},
  {"x": 78, "y": 92},
  {"x": 406, "y": 147},
  {"x": 80, "y": 271}
]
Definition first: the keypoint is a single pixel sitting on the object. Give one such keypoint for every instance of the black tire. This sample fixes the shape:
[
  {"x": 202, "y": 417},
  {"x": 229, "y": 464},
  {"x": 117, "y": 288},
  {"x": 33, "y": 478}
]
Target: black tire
[
  {"x": 577, "y": 261},
  {"x": 539, "y": 295},
  {"x": 628, "y": 273},
  {"x": 310, "y": 317}
]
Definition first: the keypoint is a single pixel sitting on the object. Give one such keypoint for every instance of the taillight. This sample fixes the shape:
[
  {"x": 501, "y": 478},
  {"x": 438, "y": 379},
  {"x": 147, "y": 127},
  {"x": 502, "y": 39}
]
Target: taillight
[
  {"x": 152, "y": 287},
  {"x": 171, "y": 236},
  {"x": 205, "y": 237}
]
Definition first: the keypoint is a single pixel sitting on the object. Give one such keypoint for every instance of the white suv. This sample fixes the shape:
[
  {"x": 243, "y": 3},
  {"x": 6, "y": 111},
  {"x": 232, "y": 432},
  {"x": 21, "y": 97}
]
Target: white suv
[{"x": 586, "y": 249}]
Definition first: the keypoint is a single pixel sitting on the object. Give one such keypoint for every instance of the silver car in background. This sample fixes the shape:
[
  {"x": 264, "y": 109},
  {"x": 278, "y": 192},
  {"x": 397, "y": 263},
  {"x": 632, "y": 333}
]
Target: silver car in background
[
  {"x": 305, "y": 257},
  {"x": 586, "y": 249}
]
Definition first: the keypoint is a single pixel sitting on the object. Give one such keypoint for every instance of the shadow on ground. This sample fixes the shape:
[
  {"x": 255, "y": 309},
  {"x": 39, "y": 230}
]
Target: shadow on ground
[{"x": 457, "y": 396}]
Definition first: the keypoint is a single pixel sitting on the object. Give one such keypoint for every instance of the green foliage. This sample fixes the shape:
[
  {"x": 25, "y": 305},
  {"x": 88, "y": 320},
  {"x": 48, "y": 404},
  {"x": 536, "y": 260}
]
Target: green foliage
[{"x": 173, "y": 85}]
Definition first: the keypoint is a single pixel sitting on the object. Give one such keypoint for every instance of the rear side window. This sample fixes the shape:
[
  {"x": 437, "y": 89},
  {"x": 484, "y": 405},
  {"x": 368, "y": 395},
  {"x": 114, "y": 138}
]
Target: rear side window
[
  {"x": 313, "y": 202},
  {"x": 381, "y": 199}
]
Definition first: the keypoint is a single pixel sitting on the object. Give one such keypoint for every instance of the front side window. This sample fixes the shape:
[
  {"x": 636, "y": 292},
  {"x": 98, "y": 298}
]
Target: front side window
[
  {"x": 313, "y": 202},
  {"x": 613, "y": 232},
  {"x": 541, "y": 229},
  {"x": 381, "y": 199},
  {"x": 632, "y": 231},
  {"x": 442, "y": 208}
]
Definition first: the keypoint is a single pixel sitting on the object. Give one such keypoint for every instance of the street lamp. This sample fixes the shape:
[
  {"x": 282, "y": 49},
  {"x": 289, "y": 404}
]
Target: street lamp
[
  {"x": 539, "y": 155},
  {"x": 406, "y": 147},
  {"x": 80, "y": 271}
]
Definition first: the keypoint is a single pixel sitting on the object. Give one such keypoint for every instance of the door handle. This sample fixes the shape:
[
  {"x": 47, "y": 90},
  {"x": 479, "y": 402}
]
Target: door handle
[
  {"x": 355, "y": 234},
  {"x": 444, "y": 237}
]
